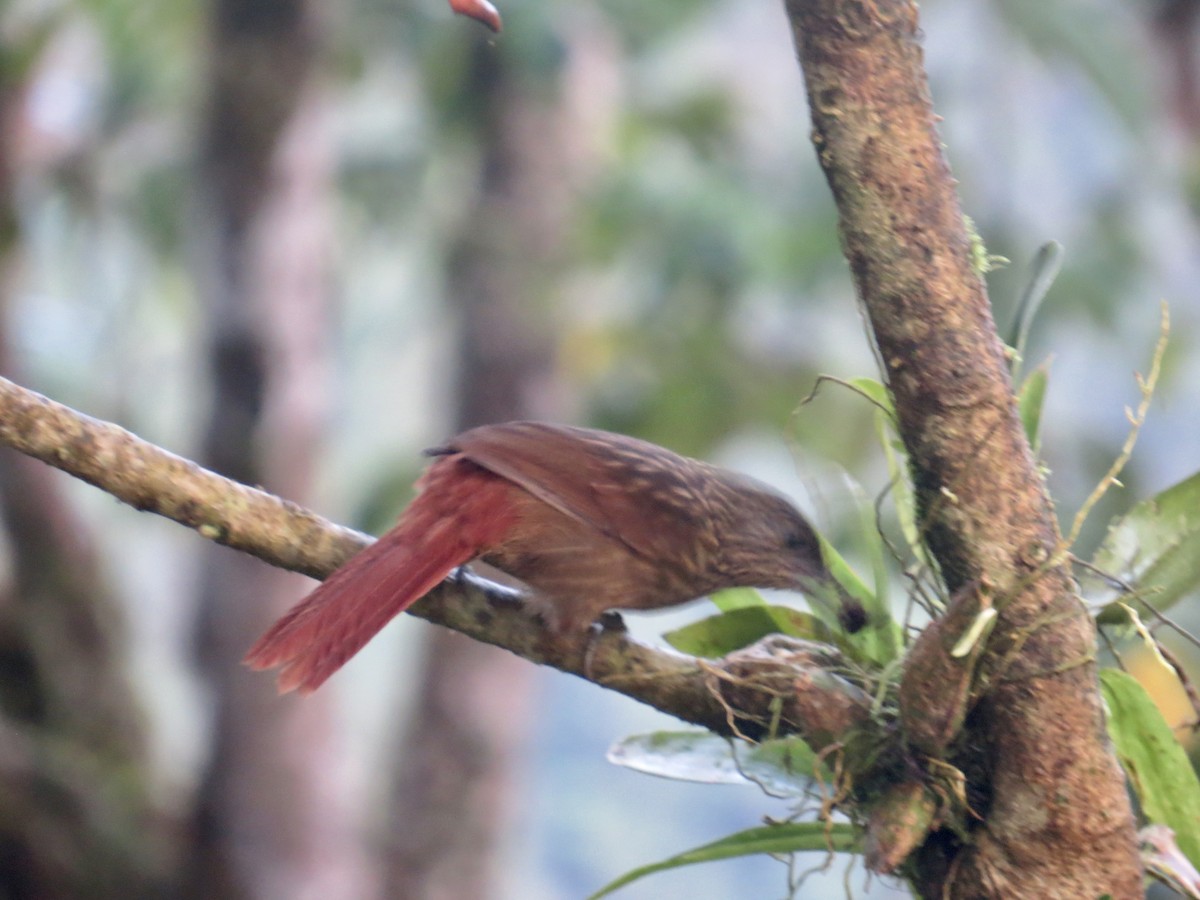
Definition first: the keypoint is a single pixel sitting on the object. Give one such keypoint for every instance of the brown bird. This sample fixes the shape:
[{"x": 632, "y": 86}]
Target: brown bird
[{"x": 590, "y": 521}]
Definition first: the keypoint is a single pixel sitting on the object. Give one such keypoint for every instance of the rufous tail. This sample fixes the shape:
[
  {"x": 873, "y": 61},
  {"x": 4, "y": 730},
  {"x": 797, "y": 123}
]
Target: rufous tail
[{"x": 461, "y": 511}]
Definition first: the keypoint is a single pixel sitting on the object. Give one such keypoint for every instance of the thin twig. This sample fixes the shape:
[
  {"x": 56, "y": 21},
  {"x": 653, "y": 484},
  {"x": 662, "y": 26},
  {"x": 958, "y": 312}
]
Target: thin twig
[{"x": 1136, "y": 420}]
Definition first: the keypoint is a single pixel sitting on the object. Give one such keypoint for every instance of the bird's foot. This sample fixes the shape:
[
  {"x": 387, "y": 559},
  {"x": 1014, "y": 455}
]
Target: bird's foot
[{"x": 609, "y": 621}]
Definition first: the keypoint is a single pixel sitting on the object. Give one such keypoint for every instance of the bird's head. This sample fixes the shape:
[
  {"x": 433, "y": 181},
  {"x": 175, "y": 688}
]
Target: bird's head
[{"x": 767, "y": 543}]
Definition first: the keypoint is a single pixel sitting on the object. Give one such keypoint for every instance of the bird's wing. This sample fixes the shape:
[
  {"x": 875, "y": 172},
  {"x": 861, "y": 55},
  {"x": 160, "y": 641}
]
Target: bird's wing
[{"x": 598, "y": 478}]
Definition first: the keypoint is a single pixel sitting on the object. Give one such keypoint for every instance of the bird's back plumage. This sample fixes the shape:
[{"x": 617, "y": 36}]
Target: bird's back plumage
[{"x": 600, "y": 478}]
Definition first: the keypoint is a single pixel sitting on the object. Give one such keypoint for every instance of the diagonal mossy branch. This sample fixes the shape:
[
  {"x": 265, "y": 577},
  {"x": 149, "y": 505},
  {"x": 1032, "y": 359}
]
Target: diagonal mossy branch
[
  {"x": 741, "y": 694},
  {"x": 151, "y": 479}
]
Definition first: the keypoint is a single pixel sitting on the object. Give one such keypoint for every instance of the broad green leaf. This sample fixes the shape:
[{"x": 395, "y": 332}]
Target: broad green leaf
[
  {"x": 1155, "y": 547},
  {"x": 725, "y": 632},
  {"x": 1029, "y": 404},
  {"x": 782, "y": 767},
  {"x": 1157, "y": 766},
  {"x": 788, "y": 837},
  {"x": 737, "y": 598},
  {"x": 746, "y": 618}
]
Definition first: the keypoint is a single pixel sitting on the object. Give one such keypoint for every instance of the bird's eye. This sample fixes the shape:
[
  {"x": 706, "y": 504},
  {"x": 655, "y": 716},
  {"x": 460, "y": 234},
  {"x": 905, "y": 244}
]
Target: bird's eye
[{"x": 798, "y": 541}]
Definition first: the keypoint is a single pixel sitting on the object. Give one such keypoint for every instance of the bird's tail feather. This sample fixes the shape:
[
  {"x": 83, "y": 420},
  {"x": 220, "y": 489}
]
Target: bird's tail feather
[{"x": 439, "y": 531}]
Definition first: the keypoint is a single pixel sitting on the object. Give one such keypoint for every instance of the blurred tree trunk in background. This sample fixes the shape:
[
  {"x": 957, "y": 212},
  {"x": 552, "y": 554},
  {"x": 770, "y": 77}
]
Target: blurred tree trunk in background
[
  {"x": 1173, "y": 27},
  {"x": 76, "y": 815},
  {"x": 454, "y": 797},
  {"x": 274, "y": 819}
]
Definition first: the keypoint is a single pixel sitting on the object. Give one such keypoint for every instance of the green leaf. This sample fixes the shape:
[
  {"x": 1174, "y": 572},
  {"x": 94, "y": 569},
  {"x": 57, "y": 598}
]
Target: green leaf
[
  {"x": 876, "y": 392},
  {"x": 1046, "y": 266},
  {"x": 876, "y": 602},
  {"x": 881, "y": 641},
  {"x": 782, "y": 767},
  {"x": 1029, "y": 403},
  {"x": 1155, "y": 547},
  {"x": 737, "y": 598},
  {"x": 725, "y": 632},
  {"x": 788, "y": 837},
  {"x": 1157, "y": 766},
  {"x": 901, "y": 487}
]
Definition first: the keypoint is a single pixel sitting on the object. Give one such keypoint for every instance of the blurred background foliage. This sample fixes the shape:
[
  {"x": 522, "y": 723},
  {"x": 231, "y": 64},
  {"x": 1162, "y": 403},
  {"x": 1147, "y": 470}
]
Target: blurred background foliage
[{"x": 633, "y": 181}]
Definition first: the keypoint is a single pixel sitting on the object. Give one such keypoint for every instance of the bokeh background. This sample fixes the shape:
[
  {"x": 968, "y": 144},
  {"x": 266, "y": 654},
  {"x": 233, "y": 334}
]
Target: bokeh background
[{"x": 302, "y": 241}]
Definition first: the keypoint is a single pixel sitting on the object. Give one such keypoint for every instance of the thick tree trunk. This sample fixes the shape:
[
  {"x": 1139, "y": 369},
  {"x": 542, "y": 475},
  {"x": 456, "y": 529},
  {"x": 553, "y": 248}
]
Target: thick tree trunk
[
  {"x": 274, "y": 818},
  {"x": 1056, "y": 820}
]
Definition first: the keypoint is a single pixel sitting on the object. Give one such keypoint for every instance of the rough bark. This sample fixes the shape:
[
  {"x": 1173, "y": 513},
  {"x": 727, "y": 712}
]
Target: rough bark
[{"x": 1056, "y": 818}]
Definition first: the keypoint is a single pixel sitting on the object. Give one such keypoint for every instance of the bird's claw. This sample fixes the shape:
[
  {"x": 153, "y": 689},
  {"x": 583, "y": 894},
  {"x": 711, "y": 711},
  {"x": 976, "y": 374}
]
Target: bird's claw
[{"x": 610, "y": 621}]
